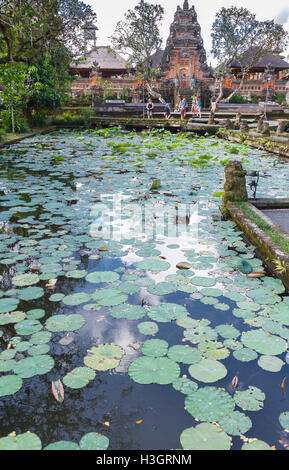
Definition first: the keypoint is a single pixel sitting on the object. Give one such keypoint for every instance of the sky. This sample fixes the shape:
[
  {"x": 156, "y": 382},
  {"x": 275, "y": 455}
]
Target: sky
[{"x": 109, "y": 12}]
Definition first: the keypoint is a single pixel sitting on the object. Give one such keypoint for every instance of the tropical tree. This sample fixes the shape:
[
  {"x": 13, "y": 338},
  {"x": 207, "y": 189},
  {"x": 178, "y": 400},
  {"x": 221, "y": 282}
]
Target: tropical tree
[
  {"x": 138, "y": 37},
  {"x": 238, "y": 36},
  {"x": 29, "y": 28}
]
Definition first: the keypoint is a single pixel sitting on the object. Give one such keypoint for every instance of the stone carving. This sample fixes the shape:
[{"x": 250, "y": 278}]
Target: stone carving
[
  {"x": 265, "y": 129},
  {"x": 244, "y": 126},
  {"x": 260, "y": 124},
  {"x": 235, "y": 186},
  {"x": 281, "y": 127}
]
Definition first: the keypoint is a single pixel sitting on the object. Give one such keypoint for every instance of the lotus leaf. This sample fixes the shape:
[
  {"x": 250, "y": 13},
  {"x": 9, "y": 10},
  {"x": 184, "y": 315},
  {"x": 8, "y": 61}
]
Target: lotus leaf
[
  {"x": 256, "y": 445},
  {"x": 148, "y": 328},
  {"x": 209, "y": 404},
  {"x": 284, "y": 419},
  {"x": 65, "y": 322},
  {"x": 76, "y": 299},
  {"x": 20, "y": 442},
  {"x": 264, "y": 342},
  {"x": 104, "y": 357},
  {"x": 270, "y": 363},
  {"x": 22, "y": 280},
  {"x": 8, "y": 304},
  {"x": 251, "y": 399},
  {"x": 184, "y": 354},
  {"x": 94, "y": 441},
  {"x": 208, "y": 370},
  {"x": 205, "y": 436},
  {"x": 62, "y": 445},
  {"x": 167, "y": 312},
  {"x": 109, "y": 297},
  {"x": 13, "y": 317},
  {"x": 28, "y": 327},
  {"x": 99, "y": 277},
  {"x": 30, "y": 293},
  {"x": 155, "y": 347},
  {"x": 78, "y": 377},
  {"x": 9, "y": 384},
  {"x": 36, "y": 365},
  {"x": 148, "y": 370},
  {"x": 154, "y": 265},
  {"x": 236, "y": 423},
  {"x": 185, "y": 385}
]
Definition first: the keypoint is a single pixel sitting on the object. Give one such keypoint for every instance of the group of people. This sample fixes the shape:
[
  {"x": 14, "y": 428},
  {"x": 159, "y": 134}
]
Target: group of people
[{"x": 182, "y": 108}]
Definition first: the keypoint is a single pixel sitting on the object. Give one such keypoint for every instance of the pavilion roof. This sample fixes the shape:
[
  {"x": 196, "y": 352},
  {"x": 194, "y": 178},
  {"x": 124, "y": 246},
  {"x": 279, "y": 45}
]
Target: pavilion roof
[
  {"x": 275, "y": 60},
  {"x": 106, "y": 57}
]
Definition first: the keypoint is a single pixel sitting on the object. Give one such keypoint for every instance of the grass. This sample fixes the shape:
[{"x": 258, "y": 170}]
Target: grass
[{"x": 263, "y": 225}]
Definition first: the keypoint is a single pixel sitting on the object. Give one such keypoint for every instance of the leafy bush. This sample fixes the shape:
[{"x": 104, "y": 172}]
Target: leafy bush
[
  {"x": 37, "y": 119},
  {"x": 281, "y": 98},
  {"x": 238, "y": 99},
  {"x": 20, "y": 125},
  {"x": 109, "y": 95},
  {"x": 2, "y": 135}
]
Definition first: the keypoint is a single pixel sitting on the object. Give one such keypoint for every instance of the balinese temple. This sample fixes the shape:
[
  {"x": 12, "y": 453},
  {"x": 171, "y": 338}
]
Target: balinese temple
[
  {"x": 184, "y": 58},
  {"x": 184, "y": 68}
]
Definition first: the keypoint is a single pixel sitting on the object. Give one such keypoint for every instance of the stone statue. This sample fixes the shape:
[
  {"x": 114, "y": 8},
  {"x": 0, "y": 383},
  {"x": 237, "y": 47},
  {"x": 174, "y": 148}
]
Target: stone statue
[{"x": 235, "y": 186}]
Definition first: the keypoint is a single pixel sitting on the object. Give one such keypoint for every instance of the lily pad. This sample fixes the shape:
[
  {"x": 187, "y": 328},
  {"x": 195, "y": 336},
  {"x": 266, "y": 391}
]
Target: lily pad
[
  {"x": 9, "y": 384},
  {"x": 22, "y": 280},
  {"x": 264, "y": 342},
  {"x": 20, "y": 442},
  {"x": 99, "y": 277},
  {"x": 153, "y": 265},
  {"x": 65, "y": 322},
  {"x": 131, "y": 312},
  {"x": 167, "y": 312},
  {"x": 184, "y": 354},
  {"x": 251, "y": 399},
  {"x": 76, "y": 299},
  {"x": 155, "y": 347},
  {"x": 209, "y": 404},
  {"x": 148, "y": 328},
  {"x": 208, "y": 371},
  {"x": 104, "y": 357},
  {"x": 94, "y": 441},
  {"x": 205, "y": 436},
  {"x": 78, "y": 377},
  {"x": 148, "y": 370},
  {"x": 36, "y": 365}
]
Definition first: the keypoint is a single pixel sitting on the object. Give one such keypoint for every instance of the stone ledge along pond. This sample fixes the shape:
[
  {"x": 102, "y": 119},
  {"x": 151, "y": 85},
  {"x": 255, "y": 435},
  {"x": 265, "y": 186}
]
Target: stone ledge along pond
[{"x": 128, "y": 319}]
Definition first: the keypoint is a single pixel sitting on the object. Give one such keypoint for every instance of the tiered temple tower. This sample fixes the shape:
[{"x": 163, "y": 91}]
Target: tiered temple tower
[{"x": 184, "y": 60}]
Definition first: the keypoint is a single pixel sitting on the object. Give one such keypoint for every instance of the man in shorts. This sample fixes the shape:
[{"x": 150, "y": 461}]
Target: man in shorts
[{"x": 150, "y": 107}]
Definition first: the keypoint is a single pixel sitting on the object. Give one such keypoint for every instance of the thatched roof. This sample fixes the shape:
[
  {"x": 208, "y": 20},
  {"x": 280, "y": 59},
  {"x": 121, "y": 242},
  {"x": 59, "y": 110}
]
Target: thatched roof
[
  {"x": 276, "y": 61},
  {"x": 105, "y": 57}
]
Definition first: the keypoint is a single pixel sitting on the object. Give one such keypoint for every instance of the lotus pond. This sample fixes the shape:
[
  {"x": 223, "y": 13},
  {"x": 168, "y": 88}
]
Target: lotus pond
[{"x": 127, "y": 317}]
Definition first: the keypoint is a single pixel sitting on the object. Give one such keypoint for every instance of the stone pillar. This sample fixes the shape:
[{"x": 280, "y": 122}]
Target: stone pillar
[
  {"x": 260, "y": 124},
  {"x": 265, "y": 129},
  {"x": 211, "y": 118},
  {"x": 244, "y": 126},
  {"x": 281, "y": 127},
  {"x": 235, "y": 186}
]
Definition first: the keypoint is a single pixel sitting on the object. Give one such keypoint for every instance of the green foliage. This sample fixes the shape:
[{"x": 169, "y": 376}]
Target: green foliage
[
  {"x": 281, "y": 98},
  {"x": 238, "y": 99}
]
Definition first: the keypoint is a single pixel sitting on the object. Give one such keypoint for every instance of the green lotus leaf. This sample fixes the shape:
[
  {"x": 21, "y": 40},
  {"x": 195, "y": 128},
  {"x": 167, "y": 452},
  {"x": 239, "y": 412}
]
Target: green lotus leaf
[
  {"x": 109, "y": 297},
  {"x": 30, "y": 293},
  {"x": 8, "y": 304},
  {"x": 65, "y": 322},
  {"x": 9, "y": 384},
  {"x": 62, "y": 445},
  {"x": 148, "y": 328},
  {"x": 209, "y": 404},
  {"x": 236, "y": 423},
  {"x": 211, "y": 292},
  {"x": 56, "y": 297},
  {"x": 40, "y": 337},
  {"x": 208, "y": 370},
  {"x": 284, "y": 419},
  {"x": 184, "y": 354},
  {"x": 200, "y": 333},
  {"x": 251, "y": 399},
  {"x": 153, "y": 265},
  {"x": 78, "y": 377},
  {"x": 35, "y": 314},
  {"x": 76, "y": 274},
  {"x": 104, "y": 357},
  {"x": 22, "y": 280},
  {"x": 264, "y": 342},
  {"x": 128, "y": 287},
  {"x": 270, "y": 363},
  {"x": 76, "y": 299},
  {"x": 245, "y": 355},
  {"x": 185, "y": 385},
  {"x": 162, "y": 288},
  {"x": 205, "y": 436},
  {"x": 167, "y": 312},
  {"x": 38, "y": 349},
  {"x": 12, "y": 317},
  {"x": 28, "y": 327},
  {"x": 94, "y": 441},
  {"x": 131, "y": 312},
  {"x": 213, "y": 350},
  {"x": 36, "y": 365},
  {"x": 155, "y": 347},
  {"x": 98, "y": 277},
  {"x": 256, "y": 445},
  {"x": 26, "y": 441},
  {"x": 228, "y": 331},
  {"x": 203, "y": 281},
  {"x": 148, "y": 370}
]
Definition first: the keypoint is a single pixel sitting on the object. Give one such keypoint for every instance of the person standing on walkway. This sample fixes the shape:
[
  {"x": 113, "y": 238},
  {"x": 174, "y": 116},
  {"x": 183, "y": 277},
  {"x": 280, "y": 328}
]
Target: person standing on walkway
[
  {"x": 213, "y": 104},
  {"x": 150, "y": 107},
  {"x": 168, "y": 111},
  {"x": 183, "y": 108}
]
